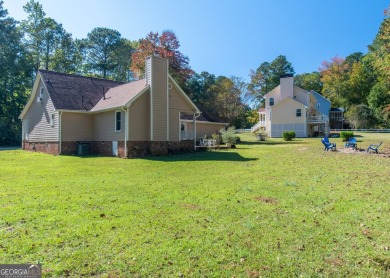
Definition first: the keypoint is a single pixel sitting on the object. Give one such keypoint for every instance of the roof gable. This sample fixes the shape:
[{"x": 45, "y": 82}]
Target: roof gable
[
  {"x": 316, "y": 95},
  {"x": 273, "y": 91},
  {"x": 182, "y": 93},
  {"x": 287, "y": 99},
  {"x": 32, "y": 97}
]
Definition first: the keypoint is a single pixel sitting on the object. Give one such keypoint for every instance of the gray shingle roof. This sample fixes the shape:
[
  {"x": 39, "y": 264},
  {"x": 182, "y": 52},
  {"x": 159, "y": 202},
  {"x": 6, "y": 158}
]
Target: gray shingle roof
[
  {"x": 205, "y": 116},
  {"x": 75, "y": 92},
  {"x": 120, "y": 95}
]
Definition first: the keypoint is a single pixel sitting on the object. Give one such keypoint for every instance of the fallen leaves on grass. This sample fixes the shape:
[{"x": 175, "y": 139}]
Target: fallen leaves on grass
[
  {"x": 266, "y": 200},
  {"x": 191, "y": 206}
]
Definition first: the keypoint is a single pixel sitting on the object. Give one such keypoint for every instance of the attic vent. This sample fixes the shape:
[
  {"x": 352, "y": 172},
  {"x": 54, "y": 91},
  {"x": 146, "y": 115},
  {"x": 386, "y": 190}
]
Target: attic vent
[
  {"x": 40, "y": 97},
  {"x": 169, "y": 86},
  {"x": 156, "y": 53}
]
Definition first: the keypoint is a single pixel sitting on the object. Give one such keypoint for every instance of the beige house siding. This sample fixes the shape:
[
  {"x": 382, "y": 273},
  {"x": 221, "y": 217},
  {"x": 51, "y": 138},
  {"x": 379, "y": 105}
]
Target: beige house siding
[
  {"x": 205, "y": 128},
  {"x": 300, "y": 95},
  {"x": 284, "y": 118},
  {"x": 76, "y": 127},
  {"x": 37, "y": 119},
  {"x": 104, "y": 127},
  {"x": 177, "y": 105},
  {"x": 159, "y": 99},
  {"x": 139, "y": 119},
  {"x": 286, "y": 112}
]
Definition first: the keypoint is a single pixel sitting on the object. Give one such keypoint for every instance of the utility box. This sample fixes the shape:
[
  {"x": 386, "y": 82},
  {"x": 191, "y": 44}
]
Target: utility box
[{"x": 82, "y": 149}]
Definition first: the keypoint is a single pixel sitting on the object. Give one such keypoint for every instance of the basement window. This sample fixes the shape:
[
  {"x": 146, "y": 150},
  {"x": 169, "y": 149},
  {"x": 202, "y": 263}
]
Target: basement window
[
  {"x": 118, "y": 120},
  {"x": 299, "y": 112}
]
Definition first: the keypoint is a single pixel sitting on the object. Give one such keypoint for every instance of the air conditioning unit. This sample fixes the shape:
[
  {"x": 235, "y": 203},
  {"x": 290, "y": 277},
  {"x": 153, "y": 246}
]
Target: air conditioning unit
[{"x": 39, "y": 99}]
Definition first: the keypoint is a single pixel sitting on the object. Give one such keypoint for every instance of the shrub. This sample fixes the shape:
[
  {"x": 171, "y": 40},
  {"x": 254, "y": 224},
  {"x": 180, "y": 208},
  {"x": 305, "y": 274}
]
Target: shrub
[
  {"x": 229, "y": 135},
  {"x": 346, "y": 135},
  {"x": 288, "y": 135},
  {"x": 261, "y": 136},
  {"x": 217, "y": 138}
]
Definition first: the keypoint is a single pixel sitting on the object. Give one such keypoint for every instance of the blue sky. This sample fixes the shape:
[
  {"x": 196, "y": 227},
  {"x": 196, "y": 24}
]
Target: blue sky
[{"x": 231, "y": 37}]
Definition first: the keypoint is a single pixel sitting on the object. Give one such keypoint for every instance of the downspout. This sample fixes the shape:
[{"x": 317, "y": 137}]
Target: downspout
[
  {"x": 196, "y": 115},
  {"x": 126, "y": 130},
  {"x": 60, "y": 132}
]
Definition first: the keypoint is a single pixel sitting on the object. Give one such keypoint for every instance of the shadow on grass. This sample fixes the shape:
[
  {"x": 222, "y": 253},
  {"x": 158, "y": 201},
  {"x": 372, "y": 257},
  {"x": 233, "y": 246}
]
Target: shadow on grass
[
  {"x": 202, "y": 156},
  {"x": 10, "y": 148},
  {"x": 193, "y": 156},
  {"x": 270, "y": 143}
]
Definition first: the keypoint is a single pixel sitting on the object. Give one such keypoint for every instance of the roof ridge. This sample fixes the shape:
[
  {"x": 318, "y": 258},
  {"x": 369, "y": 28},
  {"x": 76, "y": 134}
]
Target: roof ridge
[{"x": 81, "y": 76}]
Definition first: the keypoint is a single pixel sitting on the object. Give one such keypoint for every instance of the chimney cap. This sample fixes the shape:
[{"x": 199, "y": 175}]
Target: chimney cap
[{"x": 287, "y": 75}]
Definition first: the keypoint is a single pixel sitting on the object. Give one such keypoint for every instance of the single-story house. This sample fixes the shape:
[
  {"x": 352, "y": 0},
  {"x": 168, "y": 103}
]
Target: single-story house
[{"x": 149, "y": 116}]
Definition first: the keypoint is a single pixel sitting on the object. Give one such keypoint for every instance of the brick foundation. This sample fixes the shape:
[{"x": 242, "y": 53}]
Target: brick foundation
[
  {"x": 101, "y": 147},
  {"x": 42, "y": 147},
  {"x": 135, "y": 149},
  {"x": 159, "y": 148},
  {"x": 69, "y": 148}
]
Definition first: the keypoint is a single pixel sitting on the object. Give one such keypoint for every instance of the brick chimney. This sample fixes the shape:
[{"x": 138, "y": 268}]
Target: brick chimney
[
  {"x": 287, "y": 86},
  {"x": 156, "y": 75}
]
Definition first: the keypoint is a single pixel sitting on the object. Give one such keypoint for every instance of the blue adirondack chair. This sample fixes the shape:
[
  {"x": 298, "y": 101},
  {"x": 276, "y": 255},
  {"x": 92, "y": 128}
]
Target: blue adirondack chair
[
  {"x": 374, "y": 147},
  {"x": 351, "y": 143},
  {"x": 328, "y": 145}
]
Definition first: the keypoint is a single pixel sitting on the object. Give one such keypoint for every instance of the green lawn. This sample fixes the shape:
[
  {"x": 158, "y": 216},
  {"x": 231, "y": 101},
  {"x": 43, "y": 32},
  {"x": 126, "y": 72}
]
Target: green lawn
[{"x": 273, "y": 209}]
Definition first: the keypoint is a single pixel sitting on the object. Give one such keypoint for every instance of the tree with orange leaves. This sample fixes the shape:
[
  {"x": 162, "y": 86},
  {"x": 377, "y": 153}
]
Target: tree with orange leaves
[{"x": 167, "y": 45}]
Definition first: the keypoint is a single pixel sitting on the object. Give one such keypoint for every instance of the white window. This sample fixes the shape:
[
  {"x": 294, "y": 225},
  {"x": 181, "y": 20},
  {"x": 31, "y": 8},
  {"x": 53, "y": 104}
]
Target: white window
[
  {"x": 299, "y": 112},
  {"x": 118, "y": 120},
  {"x": 318, "y": 105},
  {"x": 52, "y": 117},
  {"x": 271, "y": 101}
]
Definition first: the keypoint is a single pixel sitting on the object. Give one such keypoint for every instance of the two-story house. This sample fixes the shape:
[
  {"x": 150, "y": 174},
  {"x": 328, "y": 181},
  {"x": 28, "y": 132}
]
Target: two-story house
[{"x": 290, "y": 108}]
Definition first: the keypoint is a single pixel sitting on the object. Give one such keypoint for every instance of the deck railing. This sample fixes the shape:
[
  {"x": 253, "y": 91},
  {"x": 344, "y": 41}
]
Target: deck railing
[
  {"x": 317, "y": 118},
  {"x": 369, "y": 130}
]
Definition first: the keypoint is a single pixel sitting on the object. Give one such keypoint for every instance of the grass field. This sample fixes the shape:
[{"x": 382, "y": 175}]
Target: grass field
[{"x": 270, "y": 209}]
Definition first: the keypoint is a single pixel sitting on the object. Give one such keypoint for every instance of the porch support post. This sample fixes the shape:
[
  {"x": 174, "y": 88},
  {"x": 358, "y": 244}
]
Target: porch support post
[{"x": 194, "y": 130}]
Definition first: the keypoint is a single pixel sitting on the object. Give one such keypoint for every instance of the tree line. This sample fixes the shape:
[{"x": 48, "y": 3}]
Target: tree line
[{"x": 359, "y": 83}]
